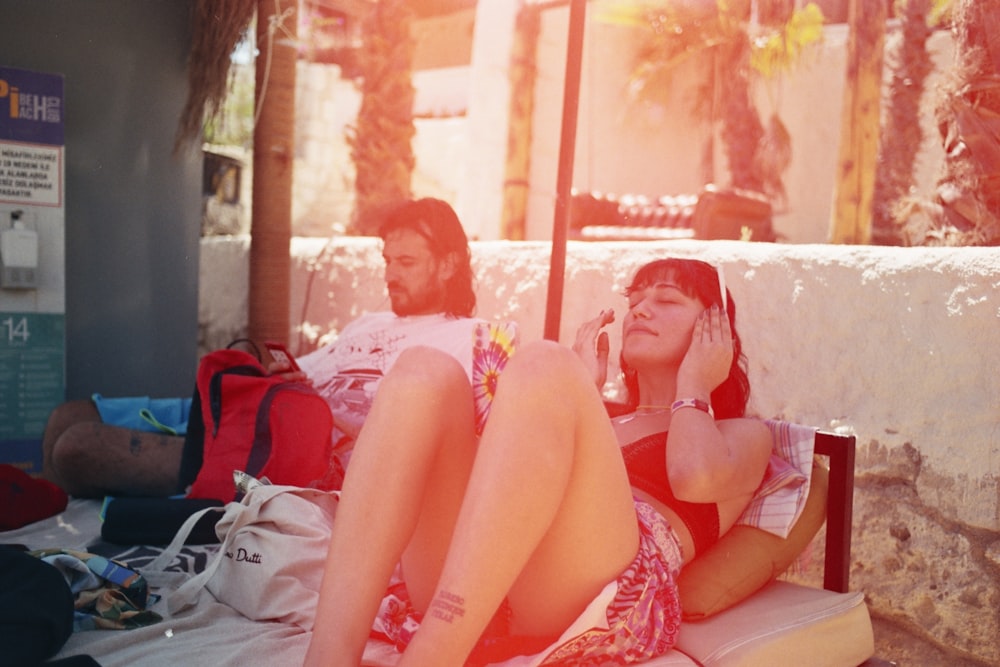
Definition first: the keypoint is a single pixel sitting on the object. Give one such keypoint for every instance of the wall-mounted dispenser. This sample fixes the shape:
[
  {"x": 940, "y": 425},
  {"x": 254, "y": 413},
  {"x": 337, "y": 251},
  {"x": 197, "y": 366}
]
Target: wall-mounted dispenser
[{"x": 18, "y": 254}]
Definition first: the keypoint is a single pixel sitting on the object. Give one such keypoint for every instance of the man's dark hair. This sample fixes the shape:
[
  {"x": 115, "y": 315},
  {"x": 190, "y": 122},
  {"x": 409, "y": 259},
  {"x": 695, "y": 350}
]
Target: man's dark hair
[{"x": 436, "y": 221}]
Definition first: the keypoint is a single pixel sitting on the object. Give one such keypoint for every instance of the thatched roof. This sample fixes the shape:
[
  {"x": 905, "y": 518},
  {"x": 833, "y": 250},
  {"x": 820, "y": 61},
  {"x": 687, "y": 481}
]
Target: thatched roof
[{"x": 217, "y": 27}]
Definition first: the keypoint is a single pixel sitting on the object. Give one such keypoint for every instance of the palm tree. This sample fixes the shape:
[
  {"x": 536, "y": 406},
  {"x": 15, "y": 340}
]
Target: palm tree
[
  {"x": 966, "y": 207},
  {"x": 737, "y": 47},
  {"x": 274, "y": 146},
  {"x": 900, "y": 137},
  {"x": 217, "y": 27},
  {"x": 851, "y": 220},
  {"x": 380, "y": 139}
]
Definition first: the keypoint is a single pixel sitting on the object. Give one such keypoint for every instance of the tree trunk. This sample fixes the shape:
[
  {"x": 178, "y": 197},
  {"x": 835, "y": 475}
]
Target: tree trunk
[
  {"x": 273, "y": 153},
  {"x": 966, "y": 209},
  {"x": 901, "y": 137},
  {"x": 381, "y": 138},
  {"x": 741, "y": 130},
  {"x": 852, "y": 213}
]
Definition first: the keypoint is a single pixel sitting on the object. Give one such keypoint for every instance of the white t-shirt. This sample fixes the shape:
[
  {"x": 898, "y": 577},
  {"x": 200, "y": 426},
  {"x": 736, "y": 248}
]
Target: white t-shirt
[{"x": 348, "y": 371}]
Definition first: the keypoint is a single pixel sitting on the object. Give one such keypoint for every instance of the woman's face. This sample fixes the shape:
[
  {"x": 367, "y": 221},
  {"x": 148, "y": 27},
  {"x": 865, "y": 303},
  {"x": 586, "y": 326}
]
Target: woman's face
[{"x": 657, "y": 328}]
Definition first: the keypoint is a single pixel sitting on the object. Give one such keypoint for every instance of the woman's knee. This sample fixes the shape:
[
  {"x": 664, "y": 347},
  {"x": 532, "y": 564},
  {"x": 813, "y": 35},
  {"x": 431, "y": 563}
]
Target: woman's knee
[
  {"x": 427, "y": 369},
  {"x": 546, "y": 366}
]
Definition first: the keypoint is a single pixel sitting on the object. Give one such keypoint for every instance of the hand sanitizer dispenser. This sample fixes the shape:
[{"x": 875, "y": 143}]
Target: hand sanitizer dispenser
[{"x": 18, "y": 255}]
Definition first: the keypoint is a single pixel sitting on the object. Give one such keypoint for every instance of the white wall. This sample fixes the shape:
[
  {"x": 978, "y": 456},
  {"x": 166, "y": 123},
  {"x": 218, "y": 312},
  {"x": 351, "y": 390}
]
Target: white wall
[
  {"x": 895, "y": 344},
  {"x": 898, "y": 346}
]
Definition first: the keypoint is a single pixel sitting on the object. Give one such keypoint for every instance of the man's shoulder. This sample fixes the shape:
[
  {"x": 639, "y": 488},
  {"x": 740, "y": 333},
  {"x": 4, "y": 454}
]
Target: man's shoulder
[
  {"x": 388, "y": 323},
  {"x": 374, "y": 316},
  {"x": 433, "y": 320},
  {"x": 476, "y": 325},
  {"x": 367, "y": 321}
]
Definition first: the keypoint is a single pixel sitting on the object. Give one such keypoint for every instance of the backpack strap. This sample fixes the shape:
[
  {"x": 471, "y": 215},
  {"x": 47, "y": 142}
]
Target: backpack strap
[
  {"x": 215, "y": 389},
  {"x": 260, "y": 451},
  {"x": 249, "y": 343}
]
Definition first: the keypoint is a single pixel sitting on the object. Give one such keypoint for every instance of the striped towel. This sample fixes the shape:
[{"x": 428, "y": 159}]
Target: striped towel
[{"x": 779, "y": 500}]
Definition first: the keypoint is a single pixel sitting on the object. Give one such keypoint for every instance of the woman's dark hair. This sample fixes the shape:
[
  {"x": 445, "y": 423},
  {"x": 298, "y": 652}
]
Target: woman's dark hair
[
  {"x": 699, "y": 280},
  {"x": 437, "y": 222}
]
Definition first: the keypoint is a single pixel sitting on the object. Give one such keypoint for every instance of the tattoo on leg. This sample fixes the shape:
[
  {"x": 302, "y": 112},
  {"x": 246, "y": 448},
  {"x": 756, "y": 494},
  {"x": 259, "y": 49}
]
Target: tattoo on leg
[{"x": 447, "y": 606}]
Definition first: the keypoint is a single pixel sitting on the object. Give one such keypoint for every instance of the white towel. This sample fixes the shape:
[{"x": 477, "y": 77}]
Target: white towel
[{"x": 782, "y": 494}]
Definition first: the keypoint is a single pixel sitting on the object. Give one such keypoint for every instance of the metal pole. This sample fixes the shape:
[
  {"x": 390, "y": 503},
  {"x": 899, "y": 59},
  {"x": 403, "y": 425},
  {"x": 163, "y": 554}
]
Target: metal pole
[{"x": 564, "y": 180}]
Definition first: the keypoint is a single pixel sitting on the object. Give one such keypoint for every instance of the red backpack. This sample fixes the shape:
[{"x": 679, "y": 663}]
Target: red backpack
[{"x": 261, "y": 424}]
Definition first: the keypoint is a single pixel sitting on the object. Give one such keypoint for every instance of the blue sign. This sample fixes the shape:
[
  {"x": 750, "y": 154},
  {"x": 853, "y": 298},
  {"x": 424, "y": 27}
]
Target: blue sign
[
  {"x": 31, "y": 107},
  {"x": 32, "y": 266}
]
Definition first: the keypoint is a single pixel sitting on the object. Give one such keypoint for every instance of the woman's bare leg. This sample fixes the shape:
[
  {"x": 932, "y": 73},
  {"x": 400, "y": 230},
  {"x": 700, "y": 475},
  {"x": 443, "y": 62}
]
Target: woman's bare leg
[
  {"x": 547, "y": 519},
  {"x": 410, "y": 467}
]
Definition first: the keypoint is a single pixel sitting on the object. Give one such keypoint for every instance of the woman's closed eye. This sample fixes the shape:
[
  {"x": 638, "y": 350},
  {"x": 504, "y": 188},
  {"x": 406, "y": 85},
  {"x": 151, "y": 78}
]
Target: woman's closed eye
[{"x": 657, "y": 301}]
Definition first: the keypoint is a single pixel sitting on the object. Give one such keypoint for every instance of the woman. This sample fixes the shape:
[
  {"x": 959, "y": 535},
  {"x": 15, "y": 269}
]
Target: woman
[{"x": 539, "y": 523}]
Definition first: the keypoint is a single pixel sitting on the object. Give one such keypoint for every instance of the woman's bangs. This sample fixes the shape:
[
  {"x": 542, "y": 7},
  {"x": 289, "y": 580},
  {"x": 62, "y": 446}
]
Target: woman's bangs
[{"x": 663, "y": 271}]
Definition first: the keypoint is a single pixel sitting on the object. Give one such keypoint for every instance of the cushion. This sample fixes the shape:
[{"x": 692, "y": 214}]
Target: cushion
[
  {"x": 747, "y": 558},
  {"x": 783, "y": 624}
]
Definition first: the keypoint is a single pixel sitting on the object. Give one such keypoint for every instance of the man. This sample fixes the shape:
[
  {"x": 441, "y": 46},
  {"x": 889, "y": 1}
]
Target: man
[{"x": 428, "y": 276}]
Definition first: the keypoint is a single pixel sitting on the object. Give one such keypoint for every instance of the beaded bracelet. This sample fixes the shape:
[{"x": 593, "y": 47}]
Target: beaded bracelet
[{"x": 695, "y": 403}]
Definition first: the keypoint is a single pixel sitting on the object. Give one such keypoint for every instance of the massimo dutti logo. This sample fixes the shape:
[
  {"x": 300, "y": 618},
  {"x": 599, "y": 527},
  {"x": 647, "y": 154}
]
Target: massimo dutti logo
[{"x": 241, "y": 555}]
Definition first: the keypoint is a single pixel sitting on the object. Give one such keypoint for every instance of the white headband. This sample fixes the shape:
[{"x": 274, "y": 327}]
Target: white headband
[{"x": 722, "y": 285}]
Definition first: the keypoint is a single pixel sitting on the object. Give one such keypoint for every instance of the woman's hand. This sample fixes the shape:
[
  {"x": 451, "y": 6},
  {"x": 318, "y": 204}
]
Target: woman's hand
[
  {"x": 709, "y": 357},
  {"x": 592, "y": 346}
]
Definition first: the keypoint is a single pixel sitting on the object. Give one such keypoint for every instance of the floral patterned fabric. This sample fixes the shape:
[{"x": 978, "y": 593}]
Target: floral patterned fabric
[
  {"x": 492, "y": 347},
  {"x": 636, "y": 617}
]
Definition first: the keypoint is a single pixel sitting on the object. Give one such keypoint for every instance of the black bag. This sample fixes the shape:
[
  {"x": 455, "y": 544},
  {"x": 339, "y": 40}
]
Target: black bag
[
  {"x": 36, "y": 609},
  {"x": 156, "y": 520}
]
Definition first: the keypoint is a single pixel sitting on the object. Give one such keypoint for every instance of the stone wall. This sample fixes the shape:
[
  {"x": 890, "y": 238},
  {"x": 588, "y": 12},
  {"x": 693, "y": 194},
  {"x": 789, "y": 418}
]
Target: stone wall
[{"x": 898, "y": 346}]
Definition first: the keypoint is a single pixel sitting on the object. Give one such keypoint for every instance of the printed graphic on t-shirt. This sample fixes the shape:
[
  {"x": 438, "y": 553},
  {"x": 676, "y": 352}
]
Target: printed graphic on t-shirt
[
  {"x": 348, "y": 372},
  {"x": 351, "y": 393}
]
